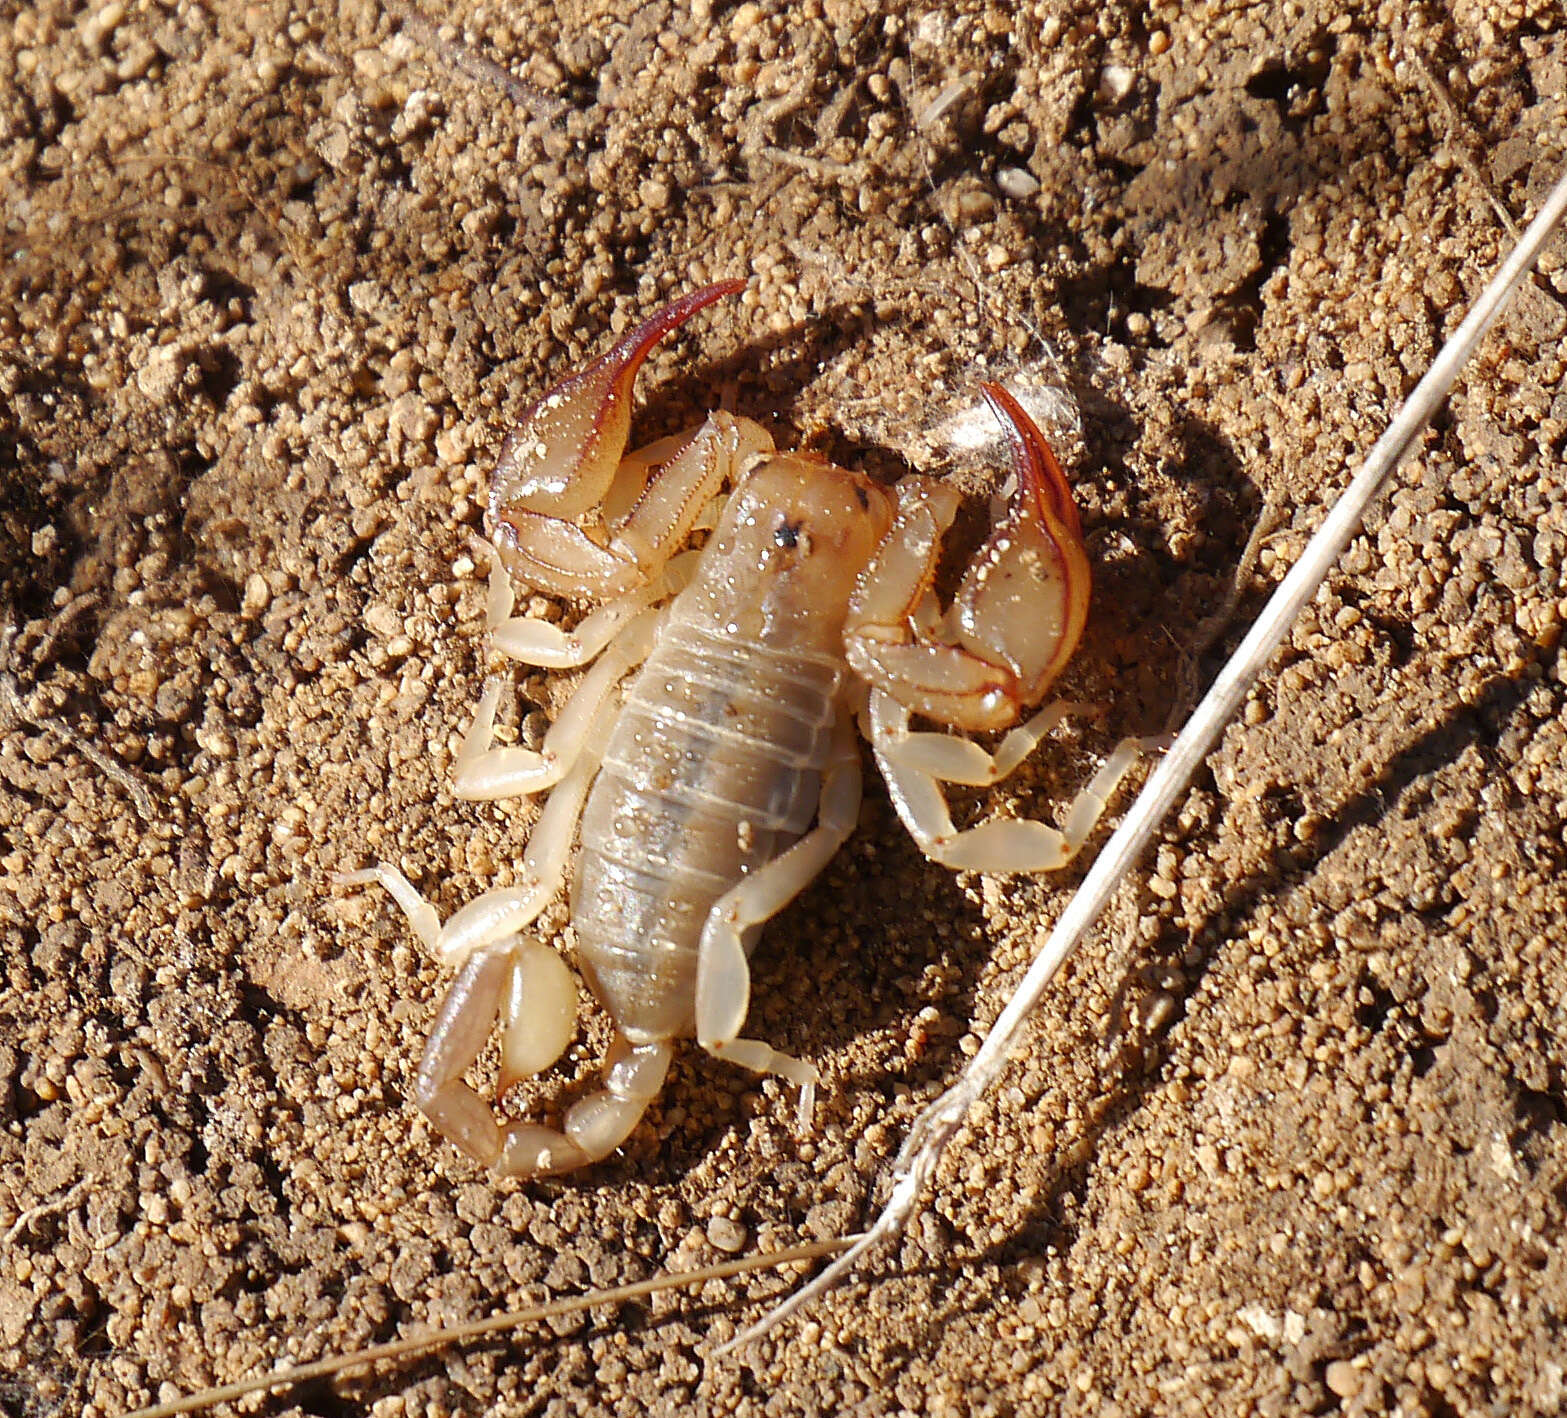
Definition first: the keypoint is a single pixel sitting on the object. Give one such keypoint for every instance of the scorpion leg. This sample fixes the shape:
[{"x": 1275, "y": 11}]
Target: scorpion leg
[
  {"x": 915, "y": 765},
  {"x": 489, "y": 919},
  {"x": 484, "y": 773},
  {"x": 540, "y": 642},
  {"x": 723, "y": 974}
]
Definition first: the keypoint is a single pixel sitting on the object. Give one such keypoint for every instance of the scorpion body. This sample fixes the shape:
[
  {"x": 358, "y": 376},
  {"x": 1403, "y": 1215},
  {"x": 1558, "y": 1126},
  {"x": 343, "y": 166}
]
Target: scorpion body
[
  {"x": 707, "y": 766},
  {"x": 715, "y": 765}
]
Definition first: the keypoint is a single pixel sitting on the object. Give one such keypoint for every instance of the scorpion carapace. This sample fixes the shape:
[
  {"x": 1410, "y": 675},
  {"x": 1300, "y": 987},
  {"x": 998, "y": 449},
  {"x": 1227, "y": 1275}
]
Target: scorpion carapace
[{"x": 707, "y": 768}]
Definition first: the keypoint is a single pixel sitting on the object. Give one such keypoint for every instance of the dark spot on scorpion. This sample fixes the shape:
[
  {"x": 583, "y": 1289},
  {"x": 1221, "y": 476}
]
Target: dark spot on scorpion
[{"x": 787, "y": 534}]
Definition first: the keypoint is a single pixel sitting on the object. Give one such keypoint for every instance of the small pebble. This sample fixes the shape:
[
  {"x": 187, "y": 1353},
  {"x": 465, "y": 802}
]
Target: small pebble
[
  {"x": 1017, "y": 182},
  {"x": 1343, "y": 1378},
  {"x": 258, "y": 595},
  {"x": 726, "y": 1235},
  {"x": 1115, "y": 82}
]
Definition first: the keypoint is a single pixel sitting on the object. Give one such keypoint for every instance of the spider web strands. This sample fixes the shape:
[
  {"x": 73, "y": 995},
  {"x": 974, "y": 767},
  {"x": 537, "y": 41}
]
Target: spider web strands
[
  {"x": 915, "y": 1166},
  {"x": 511, "y": 1319}
]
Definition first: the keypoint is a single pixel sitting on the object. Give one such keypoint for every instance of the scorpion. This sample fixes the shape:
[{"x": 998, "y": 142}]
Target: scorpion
[{"x": 707, "y": 766}]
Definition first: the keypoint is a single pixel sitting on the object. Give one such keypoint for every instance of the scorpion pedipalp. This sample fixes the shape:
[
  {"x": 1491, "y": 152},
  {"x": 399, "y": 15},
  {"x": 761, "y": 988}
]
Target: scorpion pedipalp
[
  {"x": 1018, "y": 614},
  {"x": 570, "y": 512},
  {"x": 1025, "y": 597},
  {"x": 560, "y": 458}
]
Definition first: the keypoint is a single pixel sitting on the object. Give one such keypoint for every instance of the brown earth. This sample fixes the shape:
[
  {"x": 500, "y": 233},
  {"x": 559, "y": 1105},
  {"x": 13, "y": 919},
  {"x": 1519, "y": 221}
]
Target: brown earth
[{"x": 275, "y": 278}]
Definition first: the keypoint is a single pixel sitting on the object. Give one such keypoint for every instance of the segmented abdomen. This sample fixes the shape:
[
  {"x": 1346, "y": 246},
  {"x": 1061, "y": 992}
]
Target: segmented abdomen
[{"x": 712, "y": 770}]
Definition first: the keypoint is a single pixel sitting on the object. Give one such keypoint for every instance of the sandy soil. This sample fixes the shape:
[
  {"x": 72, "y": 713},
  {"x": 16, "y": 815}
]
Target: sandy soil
[{"x": 275, "y": 277}]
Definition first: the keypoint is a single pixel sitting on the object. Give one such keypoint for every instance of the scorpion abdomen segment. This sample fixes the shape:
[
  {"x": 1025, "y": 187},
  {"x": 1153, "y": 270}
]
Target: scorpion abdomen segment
[{"x": 713, "y": 769}]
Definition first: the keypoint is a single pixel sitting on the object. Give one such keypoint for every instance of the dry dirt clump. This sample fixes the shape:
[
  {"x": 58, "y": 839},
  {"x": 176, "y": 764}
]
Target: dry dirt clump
[{"x": 274, "y": 277}]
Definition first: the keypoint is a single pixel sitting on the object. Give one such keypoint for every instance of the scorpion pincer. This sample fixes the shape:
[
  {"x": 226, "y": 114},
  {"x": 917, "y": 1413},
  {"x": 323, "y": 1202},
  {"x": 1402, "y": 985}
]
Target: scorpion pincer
[{"x": 704, "y": 791}]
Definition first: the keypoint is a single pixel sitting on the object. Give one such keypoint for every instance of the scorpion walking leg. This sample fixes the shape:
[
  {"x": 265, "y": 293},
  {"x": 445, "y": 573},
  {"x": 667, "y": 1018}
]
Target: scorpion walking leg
[
  {"x": 546, "y": 645},
  {"x": 914, "y": 766},
  {"x": 723, "y": 975},
  {"x": 489, "y": 919},
  {"x": 503, "y": 973},
  {"x": 959, "y": 760},
  {"x": 484, "y": 773}
]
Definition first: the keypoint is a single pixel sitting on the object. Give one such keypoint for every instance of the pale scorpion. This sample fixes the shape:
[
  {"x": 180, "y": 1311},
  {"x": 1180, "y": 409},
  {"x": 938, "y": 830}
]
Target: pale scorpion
[{"x": 729, "y": 773}]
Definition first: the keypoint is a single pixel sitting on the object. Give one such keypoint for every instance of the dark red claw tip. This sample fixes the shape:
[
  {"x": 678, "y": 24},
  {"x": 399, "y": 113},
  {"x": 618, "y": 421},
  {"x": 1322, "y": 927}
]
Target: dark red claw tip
[
  {"x": 633, "y": 347},
  {"x": 1039, "y": 472}
]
